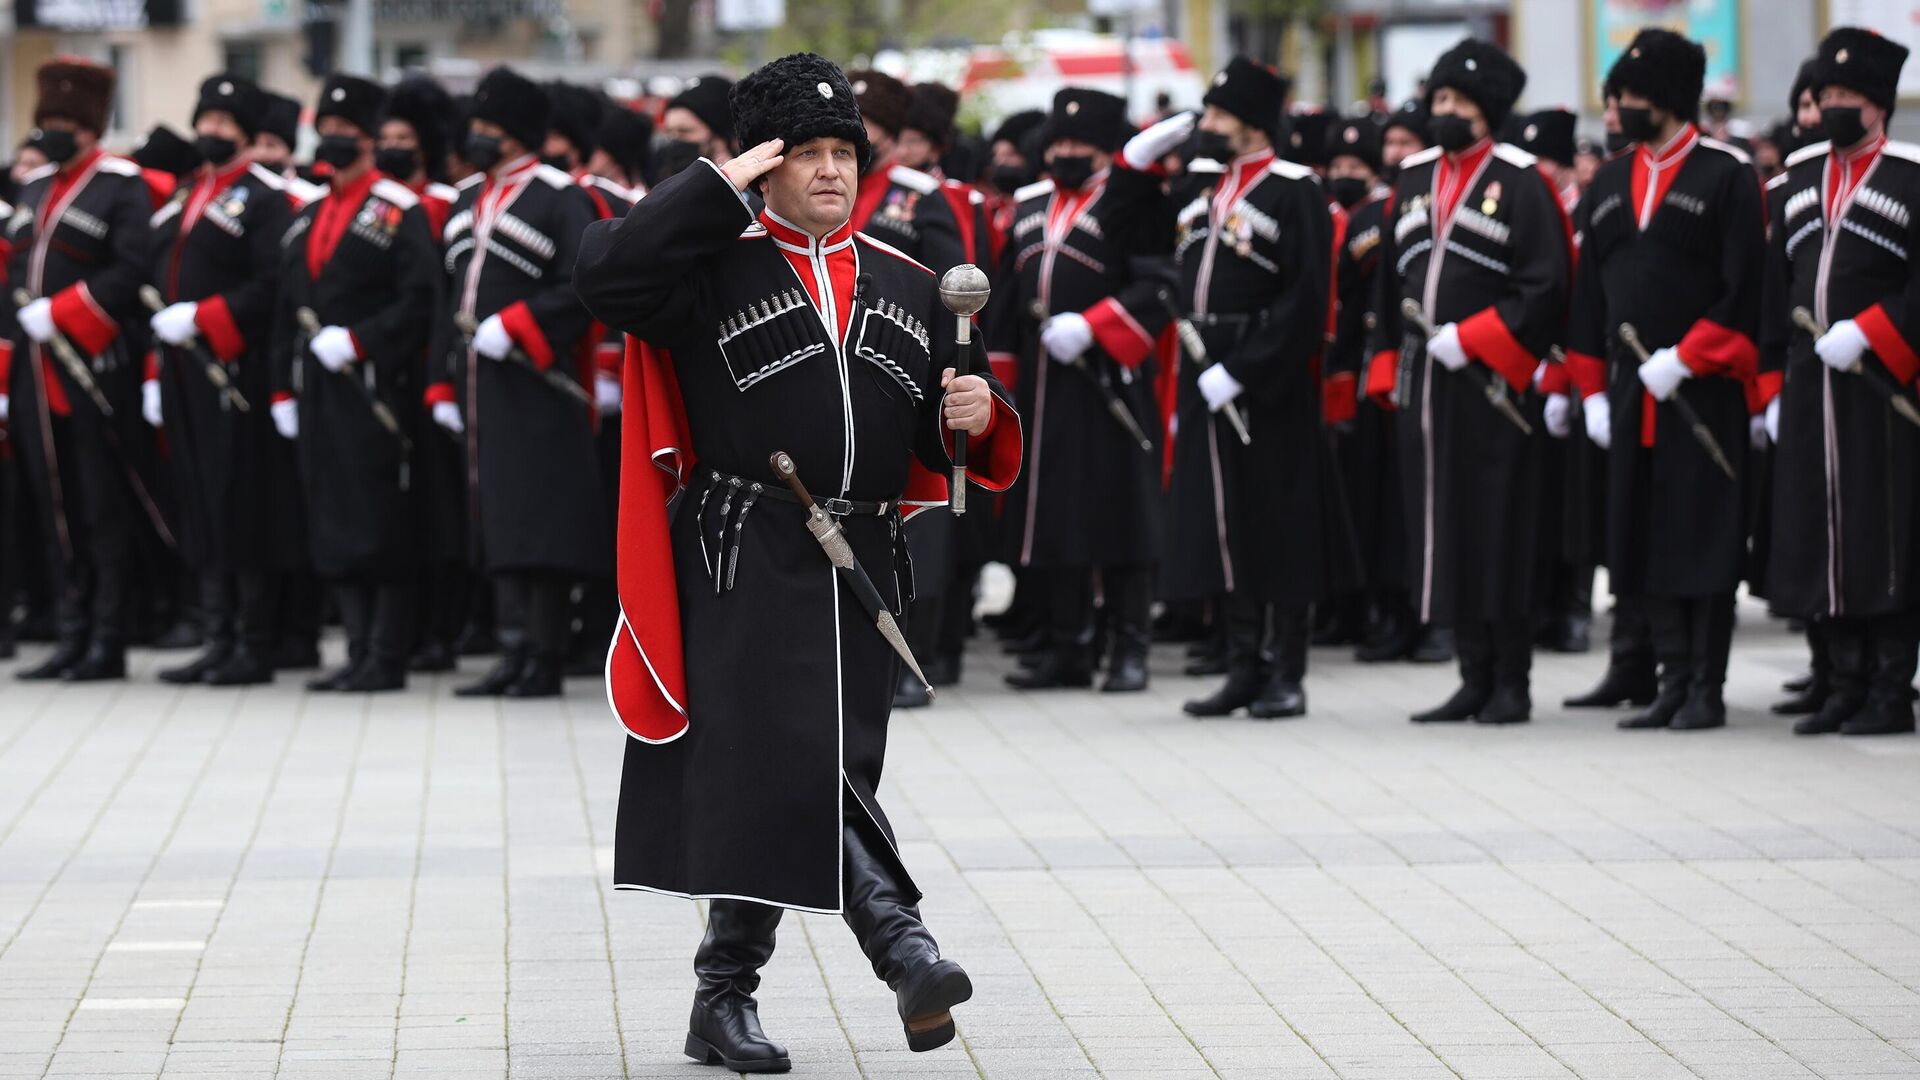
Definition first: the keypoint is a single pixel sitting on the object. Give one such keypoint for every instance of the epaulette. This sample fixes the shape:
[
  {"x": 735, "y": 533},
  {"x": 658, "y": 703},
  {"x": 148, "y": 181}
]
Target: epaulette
[
  {"x": 266, "y": 176},
  {"x": 913, "y": 178},
  {"x": 1778, "y": 180},
  {"x": 1807, "y": 153},
  {"x": 893, "y": 251},
  {"x": 40, "y": 173},
  {"x": 119, "y": 166},
  {"x": 1421, "y": 157},
  {"x": 1905, "y": 151},
  {"x": 395, "y": 192},
  {"x": 1289, "y": 170},
  {"x": 552, "y": 177},
  {"x": 1033, "y": 190},
  {"x": 1728, "y": 149},
  {"x": 476, "y": 178},
  {"x": 624, "y": 194},
  {"x": 1513, "y": 155},
  {"x": 443, "y": 192}
]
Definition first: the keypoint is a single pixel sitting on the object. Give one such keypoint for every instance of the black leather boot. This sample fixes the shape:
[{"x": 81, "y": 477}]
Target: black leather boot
[
  {"x": 1129, "y": 612},
  {"x": 105, "y": 658},
  {"x": 1895, "y": 647},
  {"x": 246, "y": 667},
  {"x": 1242, "y": 687},
  {"x": 1710, "y": 626},
  {"x": 1126, "y": 672},
  {"x": 1473, "y": 643},
  {"x": 1809, "y": 693},
  {"x": 1058, "y": 669},
  {"x": 1628, "y": 680},
  {"x": 504, "y": 673},
  {"x": 65, "y": 655},
  {"x": 433, "y": 656},
  {"x": 540, "y": 678},
  {"x": 195, "y": 670},
  {"x": 1283, "y": 696},
  {"x": 724, "y": 1028},
  {"x": 1392, "y": 636},
  {"x": 886, "y": 922},
  {"x": 1667, "y": 703},
  {"x": 1511, "y": 702},
  {"x": 1845, "y": 645},
  {"x": 1671, "y": 631},
  {"x": 910, "y": 692},
  {"x": 1434, "y": 645},
  {"x": 375, "y": 676}
]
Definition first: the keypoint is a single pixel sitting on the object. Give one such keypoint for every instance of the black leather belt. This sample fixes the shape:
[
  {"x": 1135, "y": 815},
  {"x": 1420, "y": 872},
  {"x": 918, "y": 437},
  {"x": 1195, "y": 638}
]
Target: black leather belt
[{"x": 778, "y": 492}]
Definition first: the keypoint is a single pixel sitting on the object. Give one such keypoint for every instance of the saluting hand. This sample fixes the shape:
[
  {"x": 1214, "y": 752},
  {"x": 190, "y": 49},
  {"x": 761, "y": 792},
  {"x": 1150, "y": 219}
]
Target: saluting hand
[
  {"x": 969, "y": 404},
  {"x": 754, "y": 164}
]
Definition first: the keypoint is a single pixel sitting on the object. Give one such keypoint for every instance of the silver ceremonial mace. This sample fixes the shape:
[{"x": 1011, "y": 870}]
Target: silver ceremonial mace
[{"x": 964, "y": 289}]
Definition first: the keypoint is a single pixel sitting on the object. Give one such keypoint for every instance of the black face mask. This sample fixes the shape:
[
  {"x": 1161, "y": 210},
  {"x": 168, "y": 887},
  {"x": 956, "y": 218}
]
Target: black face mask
[
  {"x": 1616, "y": 142},
  {"x": 59, "y": 146},
  {"x": 217, "y": 149},
  {"x": 1842, "y": 125},
  {"x": 338, "y": 151},
  {"x": 483, "y": 151},
  {"x": 1637, "y": 123},
  {"x": 1008, "y": 179},
  {"x": 399, "y": 162},
  {"x": 1804, "y": 136},
  {"x": 1348, "y": 190},
  {"x": 1071, "y": 171},
  {"x": 1210, "y": 145},
  {"x": 1453, "y": 133}
]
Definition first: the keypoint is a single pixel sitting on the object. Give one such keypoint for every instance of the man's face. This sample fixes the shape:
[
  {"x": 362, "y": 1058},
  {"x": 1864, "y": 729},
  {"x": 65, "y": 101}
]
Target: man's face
[
  {"x": 340, "y": 125},
  {"x": 1344, "y": 166},
  {"x": 1806, "y": 111},
  {"x": 1766, "y": 158},
  {"x": 1398, "y": 145},
  {"x": 558, "y": 147},
  {"x": 914, "y": 150},
  {"x": 1843, "y": 97},
  {"x": 1610, "y": 116},
  {"x": 398, "y": 135},
  {"x": 680, "y": 123},
  {"x": 1005, "y": 153},
  {"x": 1584, "y": 166},
  {"x": 813, "y": 185},
  {"x": 1450, "y": 102},
  {"x": 221, "y": 125},
  {"x": 1242, "y": 137},
  {"x": 271, "y": 151},
  {"x": 885, "y": 145}
]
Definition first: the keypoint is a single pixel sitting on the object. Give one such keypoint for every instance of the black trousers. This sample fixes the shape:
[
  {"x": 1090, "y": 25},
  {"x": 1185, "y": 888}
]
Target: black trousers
[
  {"x": 378, "y": 617},
  {"x": 1873, "y": 658},
  {"x": 239, "y": 609},
  {"x": 1261, "y": 635},
  {"x": 1128, "y": 594},
  {"x": 530, "y": 612},
  {"x": 1632, "y": 638},
  {"x": 1494, "y": 654},
  {"x": 1692, "y": 636},
  {"x": 86, "y": 513}
]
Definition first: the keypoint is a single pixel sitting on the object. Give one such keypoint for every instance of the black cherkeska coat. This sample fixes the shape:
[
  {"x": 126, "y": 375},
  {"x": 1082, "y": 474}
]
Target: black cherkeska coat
[
  {"x": 1254, "y": 257},
  {"x": 789, "y": 684},
  {"x": 1368, "y": 463},
  {"x": 216, "y": 242},
  {"x": 1470, "y": 478},
  {"x": 1847, "y": 470},
  {"x": 1676, "y": 525},
  {"x": 87, "y": 253},
  {"x": 534, "y": 494},
  {"x": 364, "y": 511},
  {"x": 1090, "y": 496}
]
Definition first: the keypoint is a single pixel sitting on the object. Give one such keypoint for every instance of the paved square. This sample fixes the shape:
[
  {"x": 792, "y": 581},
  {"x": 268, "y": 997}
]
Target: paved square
[{"x": 275, "y": 884}]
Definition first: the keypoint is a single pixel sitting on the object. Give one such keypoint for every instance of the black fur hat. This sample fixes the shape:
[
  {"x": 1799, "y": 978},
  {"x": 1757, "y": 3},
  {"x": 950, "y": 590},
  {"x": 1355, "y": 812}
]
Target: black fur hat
[
  {"x": 1253, "y": 92},
  {"x": 281, "y": 118},
  {"x": 797, "y": 98},
  {"x": 1413, "y": 117},
  {"x": 1863, "y": 61},
  {"x": 1016, "y": 128},
  {"x": 358, "y": 101},
  {"x": 882, "y": 98},
  {"x": 235, "y": 96},
  {"x": 72, "y": 88},
  {"x": 1306, "y": 138},
  {"x": 515, "y": 103},
  {"x": 164, "y": 150},
  {"x": 627, "y": 137},
  {"x": 576, "y": 114},
  {"x": 1807, "y": 78},
  {"x": 932, "y": 111},
  {"x": 1665, "y": 68},
  {"x": 1092, "y": 116},
  {"x": 1549, "y": 135},
  {"x": 1482, "y": 71},
  {"x": 426, "y": 107},
  {"x": 1355, "y": 138},
  {"x": 708, "y": 97}
]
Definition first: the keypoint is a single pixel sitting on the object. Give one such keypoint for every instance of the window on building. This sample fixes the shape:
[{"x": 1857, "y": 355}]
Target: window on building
[
  {"x": 408, "y": 57},
  {"x": 243, "y": 58},
  {"x": 120, "y": 120}
]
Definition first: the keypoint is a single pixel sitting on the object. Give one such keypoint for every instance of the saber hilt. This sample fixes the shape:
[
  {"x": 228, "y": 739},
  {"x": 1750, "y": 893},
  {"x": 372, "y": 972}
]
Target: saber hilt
[
  {"x": 964, "y": 290},
  {"x": 1491, "y": 386},
  {"x": 1196, "y": 347}
]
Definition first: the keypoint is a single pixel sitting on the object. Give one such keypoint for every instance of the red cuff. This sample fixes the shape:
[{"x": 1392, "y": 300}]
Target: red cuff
[
  {"x": 1382, "y": 372},
  {"x": 6, "y": 366},
  {"x": 1587, "y": 373},
  {"x": 1712, "y": 349},
  {"x": 611, "y": 357},
  {"x": 1555, "y": 380},
  {"x": 1006, "y": 368},
  {"x": 1118, "y": 333},
  {"x": 84, "y": 322},
  {"x": 525, "y": 332},
  {"x": 1339, "y": 398},
  {"x": 1888, "y": 345},
  {"x": 280, "y": 396},
  {"x": 1151, "y": 168},
  {"x": 152, "y": 369},
  {"x": 993, "y": 456},
  {"x": 1763, "y": 389},
  {"x": 1488, "y": 340},
  {"x": 217, "y": 327},
  {"x": 437, "y": 393}
]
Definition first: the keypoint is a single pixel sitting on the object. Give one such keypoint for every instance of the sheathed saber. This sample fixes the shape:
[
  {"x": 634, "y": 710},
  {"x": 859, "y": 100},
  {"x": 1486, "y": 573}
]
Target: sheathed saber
[
  {"x": 1492, "y": 388},
  {"x": 964, "y": 290},
  {"x": 215, "y": 371},
  {"x": 310, "y": 325},
  {"x": 70, "y": 360},
  {"x": 1196, "y": 347},
  {"x": 469, "y": 326},
  {"x": 1701, "y": 433},
  {"x": 845, "y": 566},
  {"x": 1887, "y": 388}
]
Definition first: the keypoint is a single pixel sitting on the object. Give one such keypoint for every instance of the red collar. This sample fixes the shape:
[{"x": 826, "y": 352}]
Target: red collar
[
  {"x": 514, "y": 171},
  {"x": 1676, "y": 149},
  {"x": 227, "y": 173},
  {"x": 1469, "y": 159},
  {"x": 788, "y": 235}
]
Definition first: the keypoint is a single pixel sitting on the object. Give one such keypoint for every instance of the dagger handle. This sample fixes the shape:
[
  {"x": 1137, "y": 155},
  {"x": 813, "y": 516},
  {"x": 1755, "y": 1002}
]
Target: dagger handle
[{"x": 784, "y": 468}]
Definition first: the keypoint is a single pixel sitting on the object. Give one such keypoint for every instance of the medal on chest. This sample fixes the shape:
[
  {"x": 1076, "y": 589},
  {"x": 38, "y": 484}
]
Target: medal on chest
[{"x": 1490, "y": 205}]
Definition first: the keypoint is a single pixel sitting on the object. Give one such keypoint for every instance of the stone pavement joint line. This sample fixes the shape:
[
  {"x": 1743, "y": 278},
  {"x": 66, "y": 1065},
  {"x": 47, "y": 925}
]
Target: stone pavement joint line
[{"x": 271, "y": 884}]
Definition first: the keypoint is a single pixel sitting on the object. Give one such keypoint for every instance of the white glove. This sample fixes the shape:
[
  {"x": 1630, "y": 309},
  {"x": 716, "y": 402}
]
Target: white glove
[
  {"x": 286, "y": 418},
  {"x": 1066, "y": 336},
  {"x": 333, "y": 346},
  {"x": 1757, "y": 436},
  {"x": 150, "y": 403},
  {"x": 1773, "y": 421},
  {"x": 1663, "y": 373},
  {"x": 1599, "y": 415},
  {"x": 607, "y": 392},
  {"x": 1159, "y": 140},
  {"x": 1559, "y": 415},
  {"x": 491, "y": 340},
  {"x": 1219, "y": 387},
  {"x": 37, "y": 320},
  {"x": 1840, "y": 347},
  {"x": 173, "y": 324},
  {"x": 447, "y": 415},
  {"x": 3, "y": 408},
  {"x": 1445, "y": 347}
]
